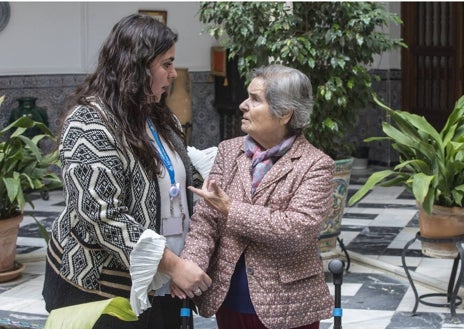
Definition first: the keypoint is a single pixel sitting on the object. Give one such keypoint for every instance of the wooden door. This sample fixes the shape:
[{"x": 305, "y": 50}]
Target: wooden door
[{"x": 433, "y": 64}]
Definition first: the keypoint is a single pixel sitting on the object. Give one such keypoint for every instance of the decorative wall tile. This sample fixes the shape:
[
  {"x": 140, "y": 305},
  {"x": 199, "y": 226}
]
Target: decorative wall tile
[{"x": 52, "y": 92}]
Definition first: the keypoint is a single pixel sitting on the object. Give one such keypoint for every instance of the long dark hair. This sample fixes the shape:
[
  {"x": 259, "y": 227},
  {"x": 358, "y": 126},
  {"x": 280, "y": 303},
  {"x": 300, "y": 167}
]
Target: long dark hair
[{"x": 122, "y": 81}]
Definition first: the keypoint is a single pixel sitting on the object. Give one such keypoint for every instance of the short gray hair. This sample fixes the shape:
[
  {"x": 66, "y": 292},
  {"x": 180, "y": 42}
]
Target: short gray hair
[{"x": 287, "y": 89}]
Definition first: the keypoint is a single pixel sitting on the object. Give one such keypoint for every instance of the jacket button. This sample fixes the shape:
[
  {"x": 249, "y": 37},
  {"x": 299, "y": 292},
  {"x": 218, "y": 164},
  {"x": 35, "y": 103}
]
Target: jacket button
[{"x": 250, "y": 270}]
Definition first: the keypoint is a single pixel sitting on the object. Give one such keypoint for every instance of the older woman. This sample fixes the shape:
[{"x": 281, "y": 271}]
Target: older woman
[{"x": 256, "y": 229}]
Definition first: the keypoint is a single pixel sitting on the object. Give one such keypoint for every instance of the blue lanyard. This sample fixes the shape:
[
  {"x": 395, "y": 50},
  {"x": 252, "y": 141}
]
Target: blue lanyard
[{"x": 174, "y": 190}]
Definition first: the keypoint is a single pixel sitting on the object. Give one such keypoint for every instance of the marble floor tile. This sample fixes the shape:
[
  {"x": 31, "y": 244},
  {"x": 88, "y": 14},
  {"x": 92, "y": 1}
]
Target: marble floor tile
[
  {"x": 360, "y": 319},
  {"x": 397, "y": 218},
  {"x": 403, "y": 237}
]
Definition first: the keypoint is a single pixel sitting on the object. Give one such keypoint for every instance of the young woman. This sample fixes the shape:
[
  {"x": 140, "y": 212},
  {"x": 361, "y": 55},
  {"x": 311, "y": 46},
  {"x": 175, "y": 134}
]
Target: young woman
[{"x": 125, "y": 175}]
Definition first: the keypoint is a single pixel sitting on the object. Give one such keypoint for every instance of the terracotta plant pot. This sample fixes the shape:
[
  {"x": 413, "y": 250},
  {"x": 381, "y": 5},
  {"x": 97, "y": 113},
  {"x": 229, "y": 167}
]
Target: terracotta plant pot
[
  {"x": 9, "y": 229},
  {"x": 444, "y": 222}
]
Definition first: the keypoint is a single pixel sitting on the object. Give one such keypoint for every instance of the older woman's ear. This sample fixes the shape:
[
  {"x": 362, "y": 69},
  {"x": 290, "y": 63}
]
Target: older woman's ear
[{"x": 285, "y": 119}]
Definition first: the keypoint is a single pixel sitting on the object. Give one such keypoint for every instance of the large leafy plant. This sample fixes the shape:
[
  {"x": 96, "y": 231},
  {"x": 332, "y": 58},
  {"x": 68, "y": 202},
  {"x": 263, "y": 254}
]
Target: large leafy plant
[
  {"x": 332, "y": 42},
  {"x": 24, "y": 167},
  {"x": 431, "y": 163}
]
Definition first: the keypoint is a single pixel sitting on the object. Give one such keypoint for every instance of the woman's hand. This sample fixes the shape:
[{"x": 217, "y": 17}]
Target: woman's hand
[
  {"x": 176, "y": 291},
  {"x": 188, "y": 278},
  {"x": 213, "y": 195}
]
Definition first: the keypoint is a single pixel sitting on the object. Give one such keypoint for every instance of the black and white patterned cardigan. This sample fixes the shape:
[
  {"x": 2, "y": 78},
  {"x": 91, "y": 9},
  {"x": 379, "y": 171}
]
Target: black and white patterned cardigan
[{"x": 110, "y": 202}]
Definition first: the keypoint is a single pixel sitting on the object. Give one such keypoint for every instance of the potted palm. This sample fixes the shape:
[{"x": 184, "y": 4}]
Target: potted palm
[
  {"x": 431, "y": 167},
  {"x": 333, "y": 42},
  {"x": 23, "y": 168}
]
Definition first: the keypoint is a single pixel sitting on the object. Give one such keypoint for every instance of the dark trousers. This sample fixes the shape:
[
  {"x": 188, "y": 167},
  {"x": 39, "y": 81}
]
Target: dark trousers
[
  {"x": 229, "y": 319},
  {"x": 163, "y": 314}
]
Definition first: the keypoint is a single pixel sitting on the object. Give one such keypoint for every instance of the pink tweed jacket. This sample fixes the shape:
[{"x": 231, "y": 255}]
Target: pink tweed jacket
[{"x": 277, "y": 228}]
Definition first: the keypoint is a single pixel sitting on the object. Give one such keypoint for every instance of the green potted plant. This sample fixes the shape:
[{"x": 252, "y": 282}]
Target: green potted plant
[
  {"x": 24, "y": 168},
  {"x": 332, "y": 42},
  {"x": 431, "y": 167}
]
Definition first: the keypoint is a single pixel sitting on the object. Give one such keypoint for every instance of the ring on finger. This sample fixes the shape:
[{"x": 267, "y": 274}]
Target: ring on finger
[{"x": 197, "y": 292}]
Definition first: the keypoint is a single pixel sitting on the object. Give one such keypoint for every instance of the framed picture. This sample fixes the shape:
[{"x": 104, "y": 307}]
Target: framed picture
[
  {"x": 160, "y": 15},
  {"x": 218, "y": 61}
]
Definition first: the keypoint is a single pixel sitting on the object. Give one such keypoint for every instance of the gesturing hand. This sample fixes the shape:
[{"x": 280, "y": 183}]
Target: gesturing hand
[{"x": 213, "y": 195}]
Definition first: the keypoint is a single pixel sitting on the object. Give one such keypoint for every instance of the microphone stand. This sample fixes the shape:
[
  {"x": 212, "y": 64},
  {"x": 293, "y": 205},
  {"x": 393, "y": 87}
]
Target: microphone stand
[
  {"x": 185, "y": 314},
  {"x": 336, "y": 266}
]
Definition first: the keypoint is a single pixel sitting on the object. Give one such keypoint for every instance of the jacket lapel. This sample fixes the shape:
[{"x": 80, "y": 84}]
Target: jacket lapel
[{"x": 243, "y": 174}]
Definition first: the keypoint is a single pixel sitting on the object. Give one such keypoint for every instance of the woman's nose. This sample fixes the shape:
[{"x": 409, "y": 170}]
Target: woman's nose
[
  {"x": 242, "y": 107},
  {"x": 173, "y": 74}
]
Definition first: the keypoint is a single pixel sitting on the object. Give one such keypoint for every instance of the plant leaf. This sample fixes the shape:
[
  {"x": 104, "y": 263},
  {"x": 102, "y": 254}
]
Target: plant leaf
[
  {"x": 373, "y": 180},
  {"x": 420, "y": 186},
  {"x": 43, "y": 231},
  {"x": 84, "y": 316}
]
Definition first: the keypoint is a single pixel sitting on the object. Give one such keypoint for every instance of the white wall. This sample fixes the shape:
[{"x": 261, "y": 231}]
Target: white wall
[
  {"x": 65, "y": 37},
  {"x": 391, "y": 59}
]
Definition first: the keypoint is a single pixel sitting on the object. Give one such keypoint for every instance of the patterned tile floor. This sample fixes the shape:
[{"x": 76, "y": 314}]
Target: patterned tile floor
[{"x": 375, "y": 291}]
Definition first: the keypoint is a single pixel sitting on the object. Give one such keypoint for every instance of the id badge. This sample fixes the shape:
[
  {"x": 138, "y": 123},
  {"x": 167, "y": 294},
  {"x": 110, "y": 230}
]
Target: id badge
[{"x": 171, "y": 226}]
